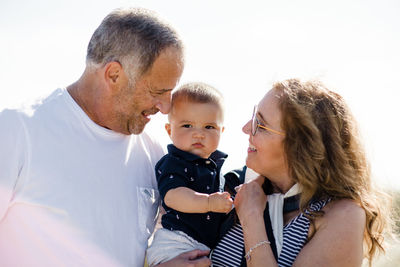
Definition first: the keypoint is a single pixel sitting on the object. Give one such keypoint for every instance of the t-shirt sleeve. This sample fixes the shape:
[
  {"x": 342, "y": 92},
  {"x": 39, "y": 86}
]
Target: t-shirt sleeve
[
  {"x": 12, "y": 156},
  {"x": 170, "y": 173}
]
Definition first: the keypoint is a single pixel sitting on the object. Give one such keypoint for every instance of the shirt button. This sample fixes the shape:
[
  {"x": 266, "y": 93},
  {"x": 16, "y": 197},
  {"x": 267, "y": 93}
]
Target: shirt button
[{"x": 208, "y": 162}]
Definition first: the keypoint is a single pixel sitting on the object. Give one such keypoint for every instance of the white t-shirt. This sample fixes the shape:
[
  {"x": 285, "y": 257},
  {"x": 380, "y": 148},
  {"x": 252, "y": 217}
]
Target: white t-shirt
[{"x": 73, "y": 193}]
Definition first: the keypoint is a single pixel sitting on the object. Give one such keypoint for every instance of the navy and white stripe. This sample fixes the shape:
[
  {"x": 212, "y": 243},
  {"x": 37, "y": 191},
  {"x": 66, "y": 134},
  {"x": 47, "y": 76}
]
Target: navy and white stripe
[
  {"x": 295, "y": 235},
  {"x": 229, "y": 251}
]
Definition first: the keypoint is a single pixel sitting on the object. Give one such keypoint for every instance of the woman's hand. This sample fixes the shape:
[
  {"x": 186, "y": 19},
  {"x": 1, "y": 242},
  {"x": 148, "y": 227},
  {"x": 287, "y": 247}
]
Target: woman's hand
[{"x": 250, "y": 201}]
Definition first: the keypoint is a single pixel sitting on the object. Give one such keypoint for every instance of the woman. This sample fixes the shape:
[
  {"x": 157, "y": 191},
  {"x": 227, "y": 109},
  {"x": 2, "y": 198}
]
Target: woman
[{"x": 304, "y": 139}]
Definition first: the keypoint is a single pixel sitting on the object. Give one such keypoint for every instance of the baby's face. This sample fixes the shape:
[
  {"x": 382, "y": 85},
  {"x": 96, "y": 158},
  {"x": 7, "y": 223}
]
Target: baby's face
[{"x": 195, "y": 127}]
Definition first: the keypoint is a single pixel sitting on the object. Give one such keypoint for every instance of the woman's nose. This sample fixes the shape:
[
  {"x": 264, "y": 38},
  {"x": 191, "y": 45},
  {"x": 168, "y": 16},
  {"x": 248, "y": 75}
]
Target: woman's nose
[{"x": 247, "y": 127}]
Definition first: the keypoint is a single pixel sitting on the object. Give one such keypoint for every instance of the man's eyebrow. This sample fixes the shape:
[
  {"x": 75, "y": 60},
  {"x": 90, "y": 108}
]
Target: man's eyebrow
[
  {"x": 160, "y": 91},
  {"x": 163, "y": 90}
]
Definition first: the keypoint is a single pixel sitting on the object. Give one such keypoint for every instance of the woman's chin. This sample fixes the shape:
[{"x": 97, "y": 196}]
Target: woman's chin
[{"x": 250, "y": 164}]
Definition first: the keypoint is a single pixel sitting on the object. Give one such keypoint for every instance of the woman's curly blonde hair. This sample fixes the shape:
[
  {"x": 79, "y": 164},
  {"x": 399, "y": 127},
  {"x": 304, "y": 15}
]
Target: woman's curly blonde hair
[{"x": 325, "y": 155}]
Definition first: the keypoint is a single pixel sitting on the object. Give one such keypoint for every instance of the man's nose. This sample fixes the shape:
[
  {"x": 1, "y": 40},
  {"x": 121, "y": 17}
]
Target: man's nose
[{"x": 163, "y": 103}]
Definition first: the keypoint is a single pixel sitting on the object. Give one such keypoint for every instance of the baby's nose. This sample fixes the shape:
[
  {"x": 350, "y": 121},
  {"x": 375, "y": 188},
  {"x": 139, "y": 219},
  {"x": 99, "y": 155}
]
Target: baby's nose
[{"x": 198, "y": 134}]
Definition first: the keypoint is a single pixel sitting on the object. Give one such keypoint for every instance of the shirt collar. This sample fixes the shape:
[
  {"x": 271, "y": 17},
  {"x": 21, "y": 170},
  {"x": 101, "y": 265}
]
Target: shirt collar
[{"x": 215, "y": 156}]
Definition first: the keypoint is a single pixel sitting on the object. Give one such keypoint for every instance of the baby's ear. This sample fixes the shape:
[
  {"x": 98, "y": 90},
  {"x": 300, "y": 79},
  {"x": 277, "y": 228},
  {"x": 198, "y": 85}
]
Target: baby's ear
[
  {"x": 222, "y": 129},
  {"x": 168, "y": 128}
]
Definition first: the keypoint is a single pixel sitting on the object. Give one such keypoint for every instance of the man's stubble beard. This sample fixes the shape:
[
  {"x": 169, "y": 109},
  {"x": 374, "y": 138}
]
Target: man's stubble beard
[{"x": 135, "y": 122}]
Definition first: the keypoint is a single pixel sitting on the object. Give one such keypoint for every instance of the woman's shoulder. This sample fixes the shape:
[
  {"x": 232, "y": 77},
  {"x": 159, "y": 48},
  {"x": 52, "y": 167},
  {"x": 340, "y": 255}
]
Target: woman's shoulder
[
  {"x": 344, "y": 212},
  {"x": 345, "y": 207},
  {"x": 338, "y": 237}
]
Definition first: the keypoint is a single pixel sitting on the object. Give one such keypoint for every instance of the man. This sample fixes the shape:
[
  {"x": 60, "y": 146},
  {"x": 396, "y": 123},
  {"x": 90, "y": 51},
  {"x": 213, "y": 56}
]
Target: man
[{"x": 77, "y": 185}]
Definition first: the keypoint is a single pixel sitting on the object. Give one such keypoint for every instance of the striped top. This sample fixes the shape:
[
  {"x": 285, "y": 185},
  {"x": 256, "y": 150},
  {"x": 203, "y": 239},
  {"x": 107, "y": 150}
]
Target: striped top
[{"x": 230, "y": 250}]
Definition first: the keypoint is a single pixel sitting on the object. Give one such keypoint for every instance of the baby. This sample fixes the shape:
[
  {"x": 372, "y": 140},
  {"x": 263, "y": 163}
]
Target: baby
[{"x": 189, "y": 175}]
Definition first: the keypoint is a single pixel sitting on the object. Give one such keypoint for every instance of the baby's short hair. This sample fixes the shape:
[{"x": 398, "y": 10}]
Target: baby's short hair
[{"x": 198, "y": 92}]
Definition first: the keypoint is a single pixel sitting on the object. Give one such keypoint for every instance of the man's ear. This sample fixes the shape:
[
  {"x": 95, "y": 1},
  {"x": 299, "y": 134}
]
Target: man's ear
[
  {"x": 168, "y": 128},
  {"x": 113, "y": 73}
]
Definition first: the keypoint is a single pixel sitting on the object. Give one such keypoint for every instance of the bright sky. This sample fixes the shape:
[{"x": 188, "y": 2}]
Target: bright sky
[{"x": 240, "y": 47}]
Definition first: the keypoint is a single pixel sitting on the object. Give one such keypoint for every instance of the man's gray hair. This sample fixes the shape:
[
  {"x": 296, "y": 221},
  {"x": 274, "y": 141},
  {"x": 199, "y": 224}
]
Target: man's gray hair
[{"x": 133, "y": 37}]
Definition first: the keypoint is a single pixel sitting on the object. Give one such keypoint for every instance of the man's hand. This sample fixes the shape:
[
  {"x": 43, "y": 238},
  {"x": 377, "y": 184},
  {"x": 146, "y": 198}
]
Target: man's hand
[
  {"x": 220, "y": 202},
  {"x": 194, "y": 258}
]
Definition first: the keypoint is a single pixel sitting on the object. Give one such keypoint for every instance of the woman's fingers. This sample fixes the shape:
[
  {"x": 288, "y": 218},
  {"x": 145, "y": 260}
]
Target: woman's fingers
[{"x": 250, "y": 199}]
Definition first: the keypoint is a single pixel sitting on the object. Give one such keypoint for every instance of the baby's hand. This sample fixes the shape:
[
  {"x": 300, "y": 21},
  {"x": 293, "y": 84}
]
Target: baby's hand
[{"x": 220, "y": 202}]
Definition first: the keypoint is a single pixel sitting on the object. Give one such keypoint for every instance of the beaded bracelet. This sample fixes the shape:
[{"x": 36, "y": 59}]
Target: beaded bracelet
[{"x": 247, "y": 256}]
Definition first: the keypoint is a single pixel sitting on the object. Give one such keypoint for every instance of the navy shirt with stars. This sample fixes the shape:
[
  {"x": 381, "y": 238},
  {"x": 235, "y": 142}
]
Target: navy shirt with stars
[{"x": 183, "y": 169}]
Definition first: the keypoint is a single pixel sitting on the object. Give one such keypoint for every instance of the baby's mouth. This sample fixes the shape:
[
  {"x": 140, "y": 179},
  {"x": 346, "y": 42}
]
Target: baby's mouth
[{"x": 198, "y": 145}]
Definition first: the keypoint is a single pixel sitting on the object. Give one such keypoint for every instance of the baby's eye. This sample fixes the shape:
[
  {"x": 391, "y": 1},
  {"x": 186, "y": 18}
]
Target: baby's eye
[
  {"x": 210, "y": 127},
  {"x": 187, "y": 126}
]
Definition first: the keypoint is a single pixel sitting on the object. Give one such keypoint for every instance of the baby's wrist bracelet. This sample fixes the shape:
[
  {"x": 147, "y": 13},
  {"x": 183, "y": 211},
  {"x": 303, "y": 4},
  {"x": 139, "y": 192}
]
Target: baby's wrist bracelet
[{"x": 248, "y": 254}]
